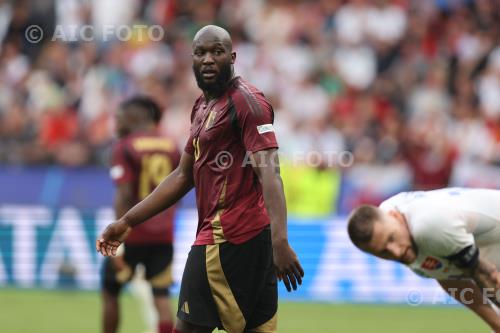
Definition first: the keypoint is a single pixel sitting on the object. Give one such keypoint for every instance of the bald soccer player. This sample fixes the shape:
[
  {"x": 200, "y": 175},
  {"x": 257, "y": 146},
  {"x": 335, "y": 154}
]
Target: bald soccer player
[
  {"x": 241, "y": 246},
  {"x": 451, "y": 235}
]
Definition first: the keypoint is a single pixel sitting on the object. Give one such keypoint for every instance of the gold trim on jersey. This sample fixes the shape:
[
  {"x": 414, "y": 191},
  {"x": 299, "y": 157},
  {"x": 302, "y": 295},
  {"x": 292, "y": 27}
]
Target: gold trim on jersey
[
  {"x": 210, "y": 120},
  {"x": 229, "y": 312}
]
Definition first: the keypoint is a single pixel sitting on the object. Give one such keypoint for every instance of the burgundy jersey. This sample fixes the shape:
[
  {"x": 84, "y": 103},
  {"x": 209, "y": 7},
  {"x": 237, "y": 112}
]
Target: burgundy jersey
[
  {"x": 144, "y": 160},
  {"x": 224, "y": 131}
]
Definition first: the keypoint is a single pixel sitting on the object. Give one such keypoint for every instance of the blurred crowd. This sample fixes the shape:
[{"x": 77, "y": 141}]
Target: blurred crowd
[{"x": 393, "y": 82}]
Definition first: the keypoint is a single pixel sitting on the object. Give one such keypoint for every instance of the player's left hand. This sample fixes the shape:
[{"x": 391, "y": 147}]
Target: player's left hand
[
  {"x": 112, "y": 237},
  {"x": 287, "y": 265}
]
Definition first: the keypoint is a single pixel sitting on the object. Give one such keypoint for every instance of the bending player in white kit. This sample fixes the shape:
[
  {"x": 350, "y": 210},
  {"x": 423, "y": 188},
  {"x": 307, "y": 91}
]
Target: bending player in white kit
[{"x": 452, "y": 235}]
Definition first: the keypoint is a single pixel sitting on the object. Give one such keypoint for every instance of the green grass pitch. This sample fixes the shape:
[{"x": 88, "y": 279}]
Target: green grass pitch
[{"x": 38, "y": 311}]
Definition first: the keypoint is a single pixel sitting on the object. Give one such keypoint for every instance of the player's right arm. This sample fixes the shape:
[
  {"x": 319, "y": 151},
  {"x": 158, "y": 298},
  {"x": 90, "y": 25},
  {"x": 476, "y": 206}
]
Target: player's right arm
[
  {"x": 124, "y": 200},
  {"x": 170, "y": 190},
  {"x": 469, "y": 294}
]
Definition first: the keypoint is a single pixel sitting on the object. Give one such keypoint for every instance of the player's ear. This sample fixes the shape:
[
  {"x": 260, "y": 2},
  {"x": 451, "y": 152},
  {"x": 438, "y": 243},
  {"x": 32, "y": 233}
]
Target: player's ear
[
  {"x": 394, "y": 213},
  {"x": 233, "y": 57},
  {"x": 397, "y": 215}
]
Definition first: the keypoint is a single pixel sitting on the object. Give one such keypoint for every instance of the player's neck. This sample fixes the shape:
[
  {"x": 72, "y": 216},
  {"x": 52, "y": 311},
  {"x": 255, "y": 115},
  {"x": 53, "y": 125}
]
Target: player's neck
[{"x": 413, "y": 243}]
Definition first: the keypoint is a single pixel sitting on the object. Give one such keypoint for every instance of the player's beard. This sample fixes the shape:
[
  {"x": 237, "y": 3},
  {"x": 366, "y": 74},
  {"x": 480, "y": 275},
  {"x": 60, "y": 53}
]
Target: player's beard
[{"x": 220, "y": 84}]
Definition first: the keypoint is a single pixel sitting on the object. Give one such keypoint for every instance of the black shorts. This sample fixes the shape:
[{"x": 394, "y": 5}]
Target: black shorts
[
  {"x": 231, "y": 287},
  {"x": 157, "y": 261}
]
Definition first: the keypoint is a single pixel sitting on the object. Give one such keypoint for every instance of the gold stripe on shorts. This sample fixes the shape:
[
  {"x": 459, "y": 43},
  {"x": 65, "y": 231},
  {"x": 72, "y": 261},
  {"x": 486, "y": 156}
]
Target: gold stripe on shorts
[
  {"x": 270, "y": 326},
  {"x": 229, "y": 312},
  {"x": 162, "y": 279},
  {"x": 124, "y": 275}
]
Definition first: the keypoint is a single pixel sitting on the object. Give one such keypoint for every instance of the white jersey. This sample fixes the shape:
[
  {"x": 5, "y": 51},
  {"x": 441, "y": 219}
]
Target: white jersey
[{"x": 444, "y": 222}]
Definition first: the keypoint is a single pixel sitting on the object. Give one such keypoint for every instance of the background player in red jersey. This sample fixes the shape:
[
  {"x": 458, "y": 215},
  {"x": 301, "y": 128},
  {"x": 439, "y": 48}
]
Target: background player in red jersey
[
  {"x": 141, "y": 160},
  {"x": 241, "y": 243}
]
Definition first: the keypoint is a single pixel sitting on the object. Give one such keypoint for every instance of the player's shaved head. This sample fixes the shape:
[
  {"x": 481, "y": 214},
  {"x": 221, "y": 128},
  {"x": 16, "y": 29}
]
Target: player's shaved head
[
  {"x": 213, "y": 33},
  {"x": 213, "y": 59}
]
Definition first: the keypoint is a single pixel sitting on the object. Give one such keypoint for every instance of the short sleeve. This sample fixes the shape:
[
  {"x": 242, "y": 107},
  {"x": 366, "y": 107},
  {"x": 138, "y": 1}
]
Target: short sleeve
[
  {"x": 255, "y": 119},
  {"x": 121, "y": 169},
  {"x": 440, "y": 230}
]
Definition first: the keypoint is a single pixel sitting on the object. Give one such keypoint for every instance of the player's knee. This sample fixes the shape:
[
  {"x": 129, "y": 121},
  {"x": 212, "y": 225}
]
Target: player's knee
[
  {"x": 110, "y": 305},
  {"x": 109, "y": 297}
]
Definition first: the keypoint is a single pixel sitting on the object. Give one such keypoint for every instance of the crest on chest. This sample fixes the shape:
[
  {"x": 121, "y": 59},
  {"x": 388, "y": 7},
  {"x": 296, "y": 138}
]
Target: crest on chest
[{"x": 431, "y": 263}]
